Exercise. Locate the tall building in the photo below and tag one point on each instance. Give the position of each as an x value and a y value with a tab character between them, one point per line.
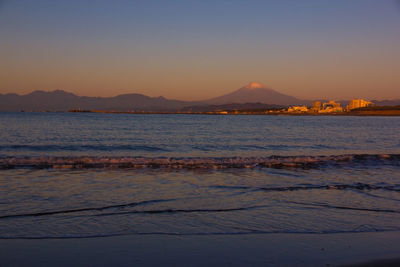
358	103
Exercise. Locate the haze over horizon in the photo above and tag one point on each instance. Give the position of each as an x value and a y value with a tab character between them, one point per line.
190	50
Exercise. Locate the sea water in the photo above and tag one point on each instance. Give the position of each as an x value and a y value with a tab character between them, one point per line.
66	175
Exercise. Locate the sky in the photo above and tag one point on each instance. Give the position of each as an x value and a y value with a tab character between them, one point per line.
194	50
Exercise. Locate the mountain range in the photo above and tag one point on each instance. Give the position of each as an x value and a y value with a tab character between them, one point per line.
253	94
59	100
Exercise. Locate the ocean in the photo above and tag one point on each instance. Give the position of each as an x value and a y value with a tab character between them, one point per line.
79	175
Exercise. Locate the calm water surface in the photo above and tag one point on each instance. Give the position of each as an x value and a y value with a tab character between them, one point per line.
84	175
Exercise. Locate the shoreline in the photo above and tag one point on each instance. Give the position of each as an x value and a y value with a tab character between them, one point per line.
275	113
378	113
350	249
384	113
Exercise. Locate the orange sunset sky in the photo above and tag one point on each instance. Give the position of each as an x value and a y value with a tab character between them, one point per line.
193	50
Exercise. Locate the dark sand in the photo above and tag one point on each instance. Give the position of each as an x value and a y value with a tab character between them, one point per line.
367	249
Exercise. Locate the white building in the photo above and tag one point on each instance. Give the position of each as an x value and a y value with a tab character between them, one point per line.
358	103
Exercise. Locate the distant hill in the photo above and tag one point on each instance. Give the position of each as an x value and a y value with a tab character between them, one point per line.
63	101
394	102
256	92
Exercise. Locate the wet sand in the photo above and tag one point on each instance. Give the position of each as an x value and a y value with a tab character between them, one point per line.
359	249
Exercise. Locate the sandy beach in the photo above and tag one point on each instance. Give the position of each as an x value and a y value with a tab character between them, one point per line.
361	249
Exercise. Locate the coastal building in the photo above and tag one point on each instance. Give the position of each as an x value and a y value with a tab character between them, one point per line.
358	103
317	106
331	106
298	109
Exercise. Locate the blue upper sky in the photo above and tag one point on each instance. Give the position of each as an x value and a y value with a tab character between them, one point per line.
199	49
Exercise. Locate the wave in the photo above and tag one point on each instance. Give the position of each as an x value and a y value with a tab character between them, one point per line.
45	213
147	148
182	211
358	229
381	197
342	207
130	212
81	148
280	162
357	186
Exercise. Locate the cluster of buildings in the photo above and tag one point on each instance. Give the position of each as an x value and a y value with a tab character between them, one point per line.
330	107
